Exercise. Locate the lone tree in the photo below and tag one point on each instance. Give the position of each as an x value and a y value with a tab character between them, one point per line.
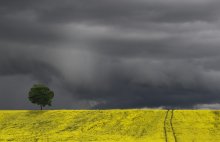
41	95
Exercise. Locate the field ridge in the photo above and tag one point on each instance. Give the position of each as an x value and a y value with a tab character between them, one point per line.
171	124
165	128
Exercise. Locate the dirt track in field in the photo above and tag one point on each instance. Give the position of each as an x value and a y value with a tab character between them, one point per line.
169	124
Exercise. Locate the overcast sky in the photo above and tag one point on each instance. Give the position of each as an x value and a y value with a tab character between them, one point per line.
102	54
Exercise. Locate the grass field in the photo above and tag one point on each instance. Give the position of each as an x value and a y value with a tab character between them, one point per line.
110	126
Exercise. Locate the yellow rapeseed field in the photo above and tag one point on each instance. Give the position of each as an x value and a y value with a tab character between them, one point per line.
110	126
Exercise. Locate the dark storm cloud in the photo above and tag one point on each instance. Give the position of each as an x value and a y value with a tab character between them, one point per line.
39	70
111	54
16	30
20	63
115	12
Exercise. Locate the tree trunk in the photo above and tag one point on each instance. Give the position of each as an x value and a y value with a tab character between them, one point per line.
40	107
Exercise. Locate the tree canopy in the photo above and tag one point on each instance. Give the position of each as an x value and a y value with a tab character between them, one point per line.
41	95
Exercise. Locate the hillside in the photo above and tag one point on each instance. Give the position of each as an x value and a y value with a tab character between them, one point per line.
110	126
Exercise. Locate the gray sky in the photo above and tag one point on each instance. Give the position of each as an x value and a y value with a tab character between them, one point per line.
111	53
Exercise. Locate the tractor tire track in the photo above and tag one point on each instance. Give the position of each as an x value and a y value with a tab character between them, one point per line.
172	128
164	125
